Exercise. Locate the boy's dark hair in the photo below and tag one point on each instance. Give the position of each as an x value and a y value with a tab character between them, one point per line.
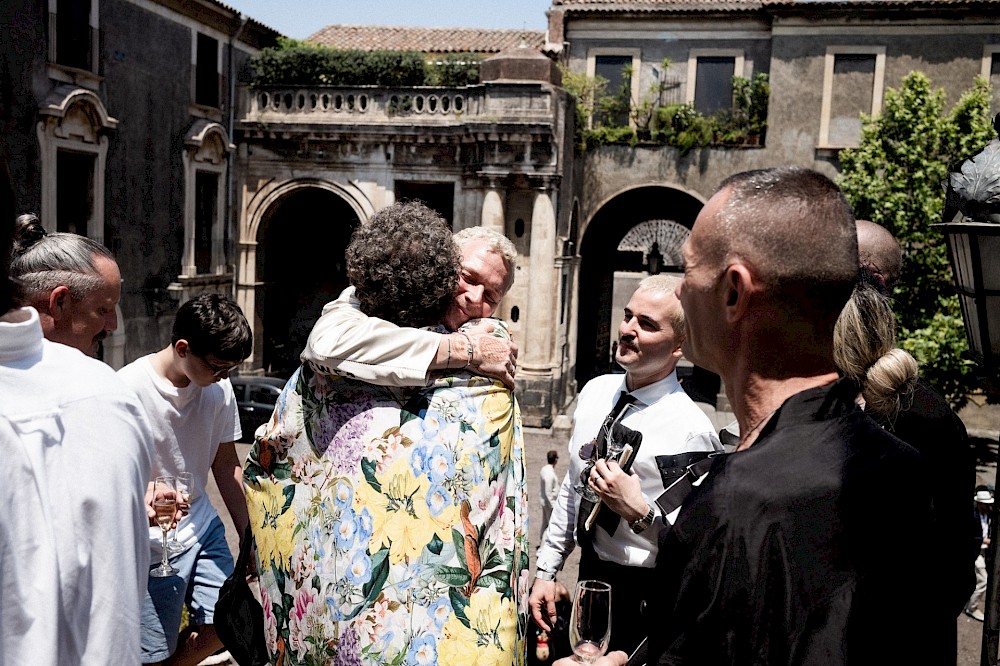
552	456
213	325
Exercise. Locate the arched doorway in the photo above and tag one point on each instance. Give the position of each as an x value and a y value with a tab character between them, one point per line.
620	238
300	267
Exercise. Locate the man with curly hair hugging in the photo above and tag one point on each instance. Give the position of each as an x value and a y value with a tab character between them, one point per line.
390	522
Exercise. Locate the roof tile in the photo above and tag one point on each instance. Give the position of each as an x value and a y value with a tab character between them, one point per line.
427	40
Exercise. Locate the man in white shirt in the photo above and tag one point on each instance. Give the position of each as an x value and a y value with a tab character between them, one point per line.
649	340
549	488
73	553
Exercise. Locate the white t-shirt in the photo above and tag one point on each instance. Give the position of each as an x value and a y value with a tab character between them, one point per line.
188	425
76	456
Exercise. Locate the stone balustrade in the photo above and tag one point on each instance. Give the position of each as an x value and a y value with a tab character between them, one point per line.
491	102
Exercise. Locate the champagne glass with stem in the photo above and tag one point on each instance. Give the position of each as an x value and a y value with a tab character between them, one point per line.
185	487
616	441
165	506
590	620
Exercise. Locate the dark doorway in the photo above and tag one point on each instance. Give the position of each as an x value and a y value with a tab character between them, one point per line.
600	258
74	191
300	262
439	197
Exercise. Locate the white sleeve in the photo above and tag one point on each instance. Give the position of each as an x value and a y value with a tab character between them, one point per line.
347	342
558	540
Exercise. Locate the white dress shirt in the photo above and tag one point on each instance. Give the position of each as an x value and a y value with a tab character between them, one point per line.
670	423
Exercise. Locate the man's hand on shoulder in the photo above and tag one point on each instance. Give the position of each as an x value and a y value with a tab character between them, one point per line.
492	356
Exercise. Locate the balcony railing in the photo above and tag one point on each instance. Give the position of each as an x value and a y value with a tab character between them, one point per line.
505	102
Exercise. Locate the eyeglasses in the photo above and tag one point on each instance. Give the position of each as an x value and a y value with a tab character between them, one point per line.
217	370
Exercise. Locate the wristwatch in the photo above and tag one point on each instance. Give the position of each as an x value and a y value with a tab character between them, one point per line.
542	574
643	523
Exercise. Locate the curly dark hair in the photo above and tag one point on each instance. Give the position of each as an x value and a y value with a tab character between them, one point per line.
404	265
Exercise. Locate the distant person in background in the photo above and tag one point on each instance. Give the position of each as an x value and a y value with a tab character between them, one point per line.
984	504
72	281
549	489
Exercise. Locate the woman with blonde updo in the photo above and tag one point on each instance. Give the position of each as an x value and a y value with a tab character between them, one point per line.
893	394
865	351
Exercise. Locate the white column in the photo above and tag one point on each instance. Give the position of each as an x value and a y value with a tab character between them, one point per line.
188	266
493	214
540	321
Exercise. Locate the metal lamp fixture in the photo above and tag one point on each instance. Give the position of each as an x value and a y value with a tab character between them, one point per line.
971	224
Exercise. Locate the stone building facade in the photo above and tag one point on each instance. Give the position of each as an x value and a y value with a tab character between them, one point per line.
828	62
116	120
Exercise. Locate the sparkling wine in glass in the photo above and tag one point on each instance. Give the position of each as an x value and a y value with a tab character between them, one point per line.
616	443
590	621
165	506
184	483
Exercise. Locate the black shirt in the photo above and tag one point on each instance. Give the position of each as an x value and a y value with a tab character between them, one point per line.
804	549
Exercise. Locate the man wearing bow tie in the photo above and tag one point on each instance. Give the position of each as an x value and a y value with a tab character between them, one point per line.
620	545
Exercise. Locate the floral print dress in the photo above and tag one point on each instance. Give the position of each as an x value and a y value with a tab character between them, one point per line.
391	528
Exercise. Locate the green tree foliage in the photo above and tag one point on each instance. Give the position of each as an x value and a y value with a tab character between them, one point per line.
895	177
454	69
296	63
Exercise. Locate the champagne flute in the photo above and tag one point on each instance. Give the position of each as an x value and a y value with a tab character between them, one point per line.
185	487
615	439
165	506
590	621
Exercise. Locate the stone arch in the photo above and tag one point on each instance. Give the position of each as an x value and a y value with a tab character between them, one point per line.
291	263
652	208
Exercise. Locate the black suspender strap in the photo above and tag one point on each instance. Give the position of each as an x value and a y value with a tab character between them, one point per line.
673	497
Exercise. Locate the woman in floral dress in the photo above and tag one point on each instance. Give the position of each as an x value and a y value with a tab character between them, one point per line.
391	524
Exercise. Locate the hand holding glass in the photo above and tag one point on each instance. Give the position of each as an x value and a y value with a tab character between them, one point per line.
615	439
185	487
590	621
165	505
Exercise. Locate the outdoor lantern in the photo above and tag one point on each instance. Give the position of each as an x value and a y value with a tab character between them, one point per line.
972	230
971	226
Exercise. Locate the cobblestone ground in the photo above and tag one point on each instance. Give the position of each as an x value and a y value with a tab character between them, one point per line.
983	423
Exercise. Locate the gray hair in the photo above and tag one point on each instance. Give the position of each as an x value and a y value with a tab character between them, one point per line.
496	242
42	261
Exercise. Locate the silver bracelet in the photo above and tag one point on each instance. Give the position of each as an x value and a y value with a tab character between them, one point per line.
468	341
542	574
